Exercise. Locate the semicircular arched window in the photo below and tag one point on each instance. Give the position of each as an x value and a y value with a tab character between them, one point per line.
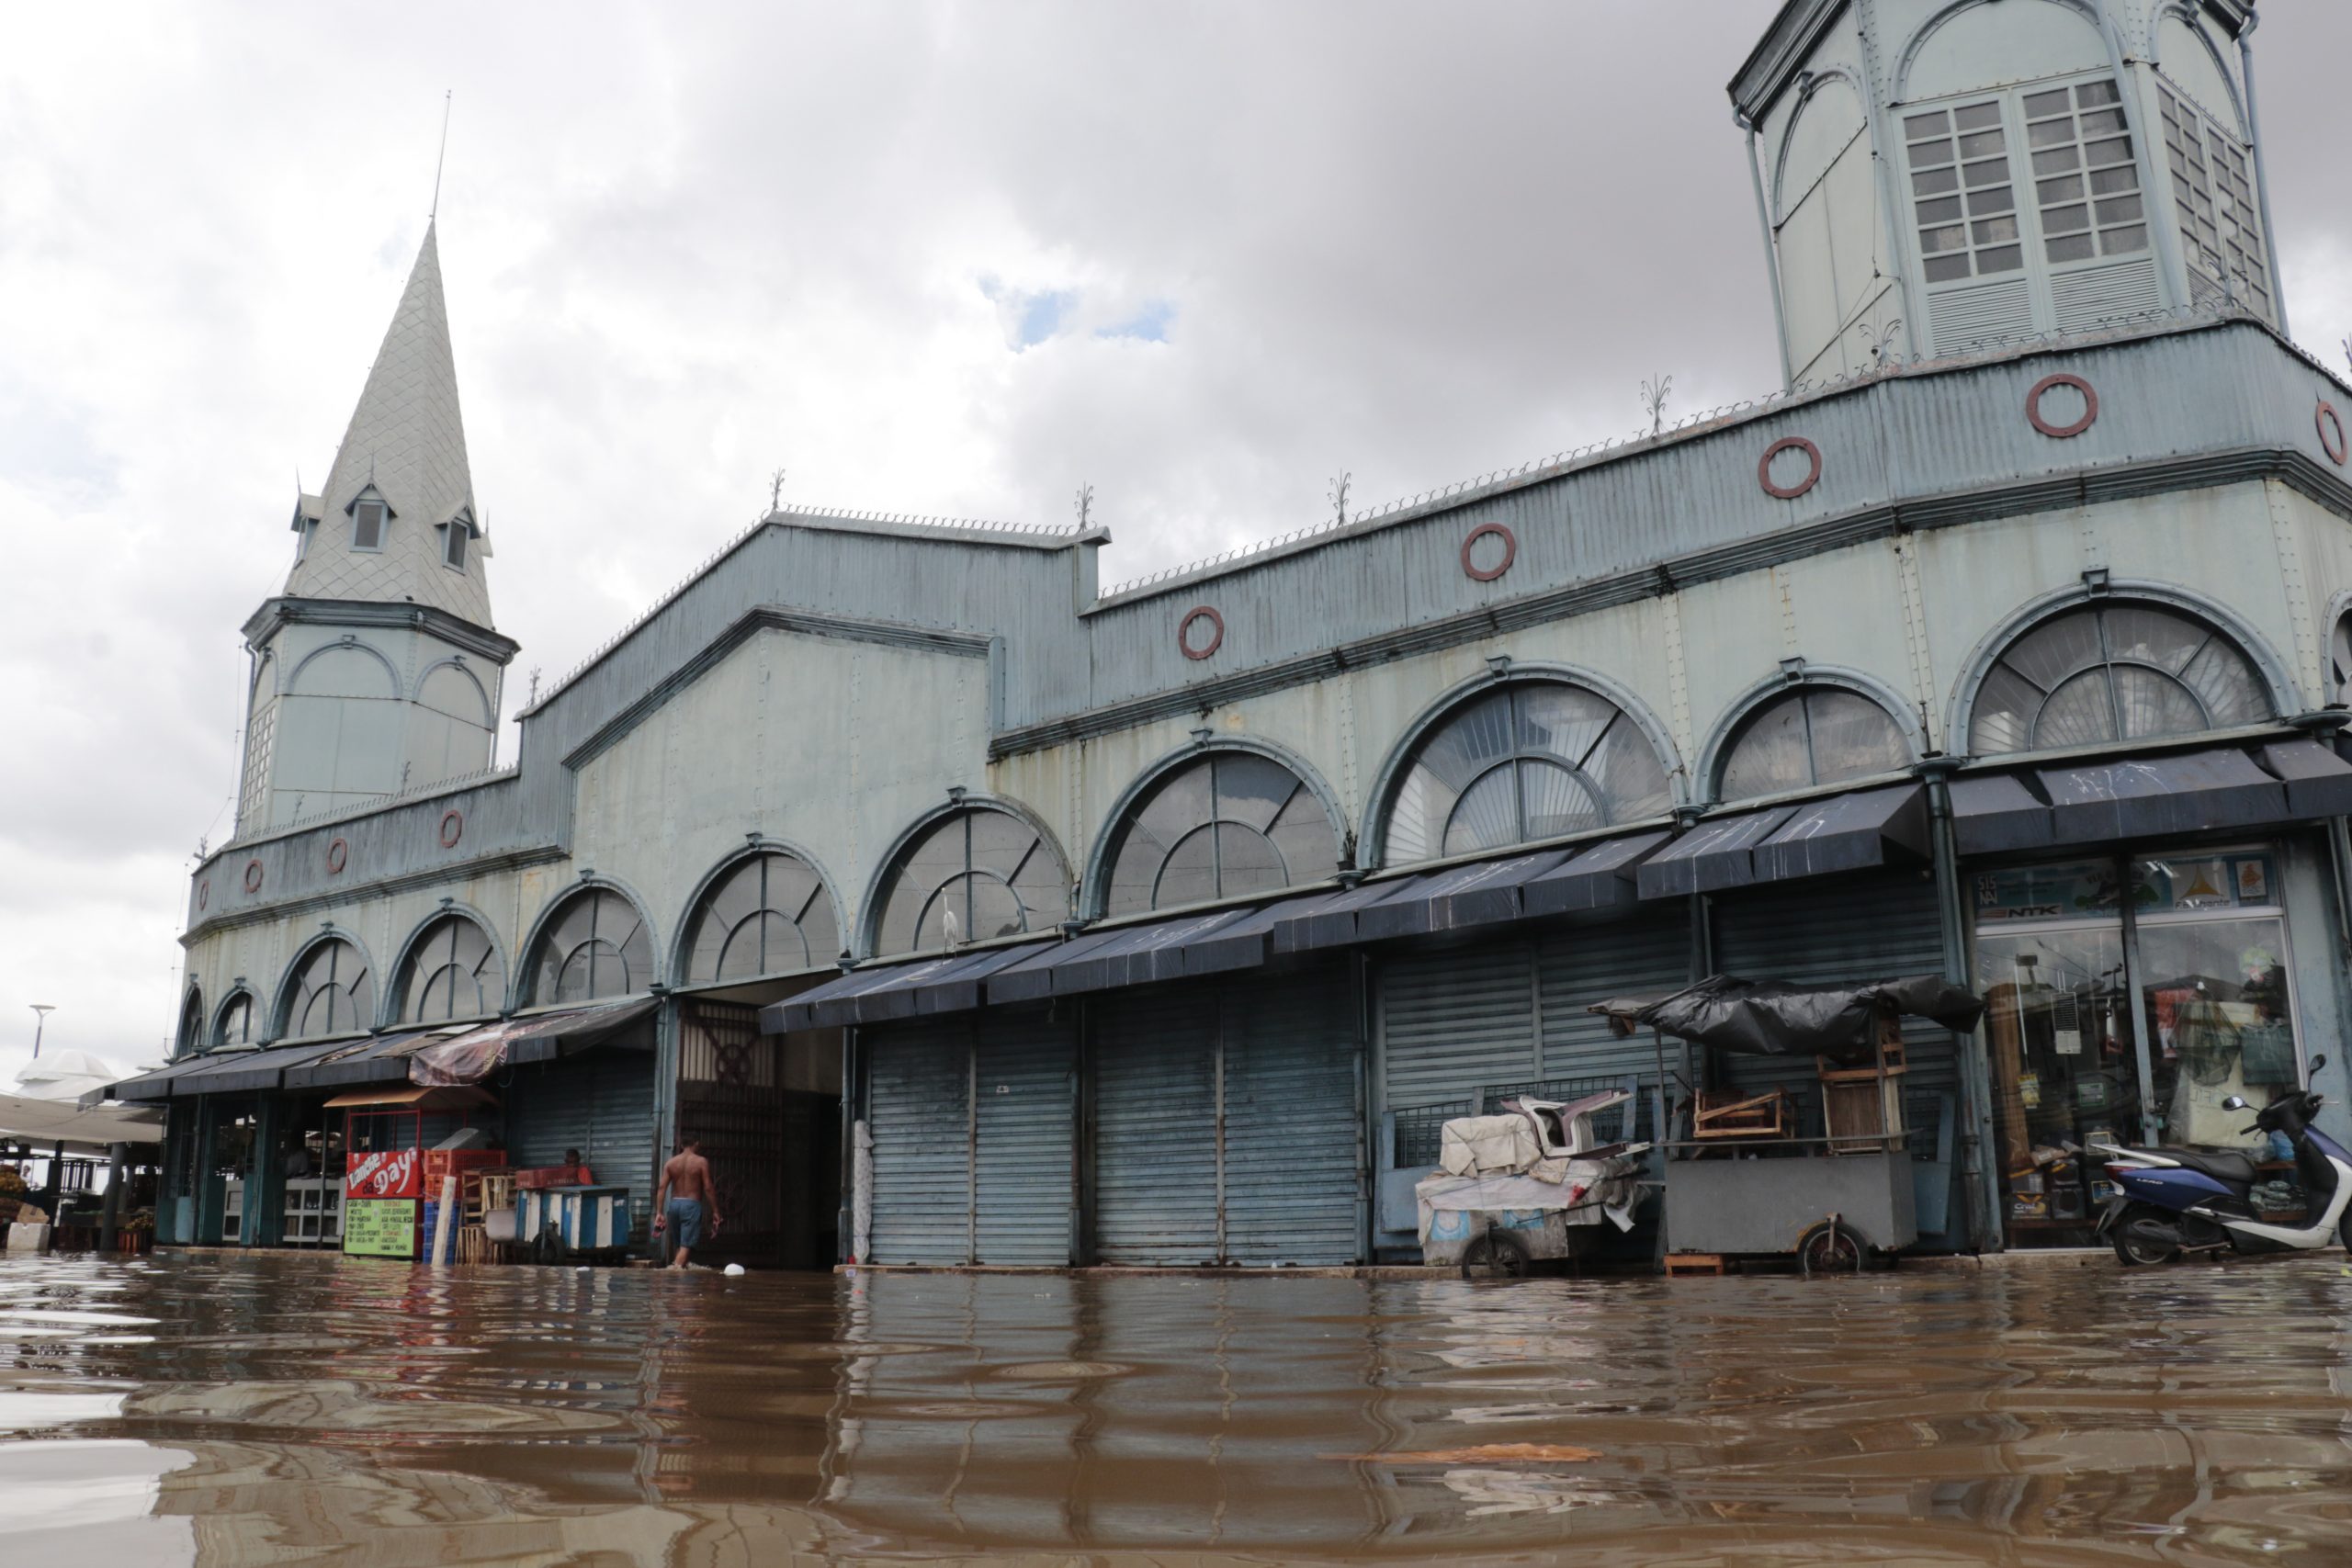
976	873
1230	824
333	993
596	946
235	1024
2112	672
452	970
1536	760
191	1031
768	914
1814	735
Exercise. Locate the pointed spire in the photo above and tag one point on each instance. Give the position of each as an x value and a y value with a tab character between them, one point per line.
407	441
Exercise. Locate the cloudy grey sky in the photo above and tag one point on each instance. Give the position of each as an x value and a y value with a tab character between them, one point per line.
932	258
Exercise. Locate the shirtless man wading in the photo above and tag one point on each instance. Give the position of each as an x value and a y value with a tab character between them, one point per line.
680	1203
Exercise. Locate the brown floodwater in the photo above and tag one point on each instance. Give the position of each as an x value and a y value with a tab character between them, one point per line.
219	1408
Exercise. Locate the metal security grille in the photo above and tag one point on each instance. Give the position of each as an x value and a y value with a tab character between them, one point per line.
727	1098
1453	1020
1024	1117
1156	1131
918	1082
600	1104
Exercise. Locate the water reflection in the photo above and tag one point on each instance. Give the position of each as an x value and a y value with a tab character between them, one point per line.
217	1409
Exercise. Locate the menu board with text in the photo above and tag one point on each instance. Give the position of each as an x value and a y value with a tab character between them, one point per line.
379	1227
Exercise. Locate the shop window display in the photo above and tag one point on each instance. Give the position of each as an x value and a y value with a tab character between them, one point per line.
2125	1002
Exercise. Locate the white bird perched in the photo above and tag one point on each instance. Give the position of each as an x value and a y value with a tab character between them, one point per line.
951	927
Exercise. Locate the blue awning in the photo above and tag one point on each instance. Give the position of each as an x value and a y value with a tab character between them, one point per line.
1328	922
1123	955
1599	877
1997	814
885	991
2318	781
1459	897
1713	855
1861	832
383	1059
2161	797
228	1072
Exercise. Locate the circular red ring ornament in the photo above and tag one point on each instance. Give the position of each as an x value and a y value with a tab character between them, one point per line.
1184	632
453	827
1488	531
2327	419
1788	443
338	856
203	893
252	876
2062	431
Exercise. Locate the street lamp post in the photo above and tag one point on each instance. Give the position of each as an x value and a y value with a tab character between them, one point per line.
40	1021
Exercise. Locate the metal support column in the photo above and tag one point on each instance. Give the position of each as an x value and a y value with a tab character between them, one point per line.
111	1214
1980	1177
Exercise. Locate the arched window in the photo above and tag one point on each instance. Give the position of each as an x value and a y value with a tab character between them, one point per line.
2112	672
768	914
974	873
595	946
235	1024
1229	824
332	993
1814	734
1536	760
2339	660
452	970
191	1035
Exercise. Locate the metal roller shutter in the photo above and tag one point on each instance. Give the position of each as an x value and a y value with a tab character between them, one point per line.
1851	928
1579	965
917	1108
1453	1020
1156	1131
600	1103
1292	1146
1024	1076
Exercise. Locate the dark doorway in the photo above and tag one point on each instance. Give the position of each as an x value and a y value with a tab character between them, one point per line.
767	1109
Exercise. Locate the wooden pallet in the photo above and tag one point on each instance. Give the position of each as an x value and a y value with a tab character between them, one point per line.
1694	1264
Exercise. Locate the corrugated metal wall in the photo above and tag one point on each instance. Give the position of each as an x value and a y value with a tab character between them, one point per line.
919	1108
1293	1139
1457	1018
1649	952
1156	1129
600	1104
1025	1121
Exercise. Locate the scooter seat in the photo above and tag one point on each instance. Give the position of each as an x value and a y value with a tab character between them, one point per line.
2235	1170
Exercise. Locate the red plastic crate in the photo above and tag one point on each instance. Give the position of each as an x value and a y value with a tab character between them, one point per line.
441	1164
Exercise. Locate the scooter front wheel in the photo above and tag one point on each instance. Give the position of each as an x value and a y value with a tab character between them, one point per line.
2144	1237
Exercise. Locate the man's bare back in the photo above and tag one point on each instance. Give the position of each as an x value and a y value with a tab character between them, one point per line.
687	1176
685	1200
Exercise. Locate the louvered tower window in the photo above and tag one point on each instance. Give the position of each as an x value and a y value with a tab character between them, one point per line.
2221	226
1962	195
2085	185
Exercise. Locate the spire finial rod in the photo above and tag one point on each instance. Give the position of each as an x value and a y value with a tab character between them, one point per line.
446	94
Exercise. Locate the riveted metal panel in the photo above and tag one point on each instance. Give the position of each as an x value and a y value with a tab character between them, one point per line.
1454	1018
1024	1117
1156	1129
1292	1127
918	1088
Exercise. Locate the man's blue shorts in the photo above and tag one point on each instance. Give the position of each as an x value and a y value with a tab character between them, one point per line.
685	1218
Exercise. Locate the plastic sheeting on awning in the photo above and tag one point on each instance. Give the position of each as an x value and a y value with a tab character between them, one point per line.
475	1054
383	1059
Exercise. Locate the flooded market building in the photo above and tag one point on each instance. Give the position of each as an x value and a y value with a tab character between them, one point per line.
972	911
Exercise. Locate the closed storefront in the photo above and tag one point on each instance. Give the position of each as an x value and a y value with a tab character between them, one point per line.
600	1103
973	1127
1226	1125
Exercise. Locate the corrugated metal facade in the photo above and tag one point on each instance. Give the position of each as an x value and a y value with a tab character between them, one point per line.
1156	1129
1292	1122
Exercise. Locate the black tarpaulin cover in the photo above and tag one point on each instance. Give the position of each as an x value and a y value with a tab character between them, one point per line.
1774	1018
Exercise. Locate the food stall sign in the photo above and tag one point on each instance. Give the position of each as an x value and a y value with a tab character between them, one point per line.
385	1173
379	1227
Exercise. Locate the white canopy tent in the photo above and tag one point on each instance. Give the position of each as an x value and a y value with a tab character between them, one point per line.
45	1124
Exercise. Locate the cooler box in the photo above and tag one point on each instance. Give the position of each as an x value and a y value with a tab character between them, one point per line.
586	1219
540	1177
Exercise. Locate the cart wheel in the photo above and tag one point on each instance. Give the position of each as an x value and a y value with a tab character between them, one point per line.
1496	1255
1832	1247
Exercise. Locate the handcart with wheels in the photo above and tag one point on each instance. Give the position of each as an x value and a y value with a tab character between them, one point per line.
1531	1185
1755	1177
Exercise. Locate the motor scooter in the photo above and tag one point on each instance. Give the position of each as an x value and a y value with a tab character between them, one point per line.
2171	1202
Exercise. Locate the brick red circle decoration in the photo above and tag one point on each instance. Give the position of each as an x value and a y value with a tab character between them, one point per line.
453	827
203	893
1198	615
338	856
1490	531
252	876
2328	420
2062	431
1788	443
